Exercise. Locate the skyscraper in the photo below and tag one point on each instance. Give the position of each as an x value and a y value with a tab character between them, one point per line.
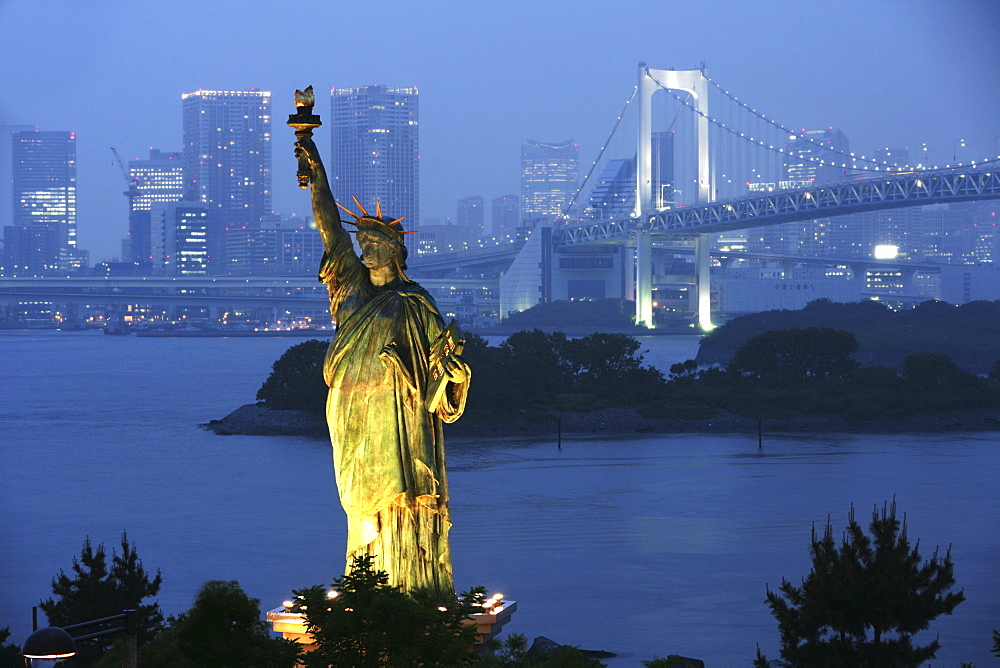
811	149
227	160
42	236
818	237
7	133
549	178
505	215
179	238
613	196
156	180
375	149
470	214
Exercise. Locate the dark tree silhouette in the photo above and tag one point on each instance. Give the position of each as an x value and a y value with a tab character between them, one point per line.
865	599
296	380
371	624
223	629
790	355
95	591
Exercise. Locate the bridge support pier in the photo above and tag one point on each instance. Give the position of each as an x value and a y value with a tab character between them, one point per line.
703	287
644	279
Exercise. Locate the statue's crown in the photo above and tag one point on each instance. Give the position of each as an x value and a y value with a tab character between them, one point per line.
366	221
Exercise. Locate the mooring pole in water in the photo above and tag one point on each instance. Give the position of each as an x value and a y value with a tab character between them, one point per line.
559	433
760	433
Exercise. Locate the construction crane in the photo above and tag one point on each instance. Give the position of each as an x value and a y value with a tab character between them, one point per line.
133	188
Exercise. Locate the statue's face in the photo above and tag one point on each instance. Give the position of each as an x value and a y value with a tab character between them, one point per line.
377	252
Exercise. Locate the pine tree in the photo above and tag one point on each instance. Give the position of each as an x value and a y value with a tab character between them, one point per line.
370	624
95	591
865	599
223	629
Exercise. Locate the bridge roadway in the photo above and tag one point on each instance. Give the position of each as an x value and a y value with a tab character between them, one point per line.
857	265
889	191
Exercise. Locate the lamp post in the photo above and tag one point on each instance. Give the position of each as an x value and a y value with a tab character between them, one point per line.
53	642
954	149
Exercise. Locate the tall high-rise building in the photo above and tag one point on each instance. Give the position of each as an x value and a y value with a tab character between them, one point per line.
7	133
158	179
811	149
505	215
180	238
375	149
470	214
613	196
227	160
41	238
897	157
550	175
819	237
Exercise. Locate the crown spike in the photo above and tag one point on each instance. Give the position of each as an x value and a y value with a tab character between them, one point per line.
378	209
360	205
356	216
396	222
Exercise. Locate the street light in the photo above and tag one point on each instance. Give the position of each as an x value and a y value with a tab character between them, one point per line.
954	148
53	642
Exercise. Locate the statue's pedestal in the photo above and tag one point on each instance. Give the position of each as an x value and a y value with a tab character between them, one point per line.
292	625
489	624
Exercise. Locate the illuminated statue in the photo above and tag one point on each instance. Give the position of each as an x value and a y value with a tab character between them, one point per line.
395	377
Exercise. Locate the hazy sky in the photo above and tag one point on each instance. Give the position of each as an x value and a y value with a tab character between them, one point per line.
490	74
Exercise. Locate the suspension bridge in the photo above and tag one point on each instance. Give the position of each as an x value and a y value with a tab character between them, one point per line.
724	166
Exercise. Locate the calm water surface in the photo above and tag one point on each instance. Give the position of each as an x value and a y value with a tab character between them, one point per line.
641	546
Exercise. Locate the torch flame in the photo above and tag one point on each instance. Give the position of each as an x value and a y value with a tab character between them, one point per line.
305	98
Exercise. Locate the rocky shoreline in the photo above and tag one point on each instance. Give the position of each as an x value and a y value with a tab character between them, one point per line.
256	420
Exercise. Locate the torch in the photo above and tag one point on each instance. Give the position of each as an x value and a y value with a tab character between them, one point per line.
304	122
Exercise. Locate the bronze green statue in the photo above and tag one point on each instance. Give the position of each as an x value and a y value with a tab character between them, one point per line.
395	376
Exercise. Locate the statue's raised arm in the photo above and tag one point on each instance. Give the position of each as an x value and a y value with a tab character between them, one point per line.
325	209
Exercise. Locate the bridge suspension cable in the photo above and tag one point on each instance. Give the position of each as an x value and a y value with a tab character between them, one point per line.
600	154
879	166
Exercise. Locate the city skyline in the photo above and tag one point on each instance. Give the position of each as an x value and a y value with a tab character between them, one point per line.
483	99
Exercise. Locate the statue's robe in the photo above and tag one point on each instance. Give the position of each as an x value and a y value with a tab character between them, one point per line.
388	448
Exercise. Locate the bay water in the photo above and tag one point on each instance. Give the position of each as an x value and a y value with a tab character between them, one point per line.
639	545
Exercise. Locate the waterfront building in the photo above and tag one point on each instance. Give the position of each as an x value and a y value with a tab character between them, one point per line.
158	179
436	238
227	160
41	238
7	133
375	150
471	216
816	156
300	249
180	238
804	165
549	179
505	215
613	196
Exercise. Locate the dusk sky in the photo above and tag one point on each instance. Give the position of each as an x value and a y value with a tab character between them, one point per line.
491	75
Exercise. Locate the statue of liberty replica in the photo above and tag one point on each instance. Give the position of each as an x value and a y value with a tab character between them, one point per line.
395	376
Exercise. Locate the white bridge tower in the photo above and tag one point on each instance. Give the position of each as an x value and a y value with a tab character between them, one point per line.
694	82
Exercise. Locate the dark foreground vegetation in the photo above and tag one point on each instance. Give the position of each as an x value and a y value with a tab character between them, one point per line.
860	605
966	333
778	374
